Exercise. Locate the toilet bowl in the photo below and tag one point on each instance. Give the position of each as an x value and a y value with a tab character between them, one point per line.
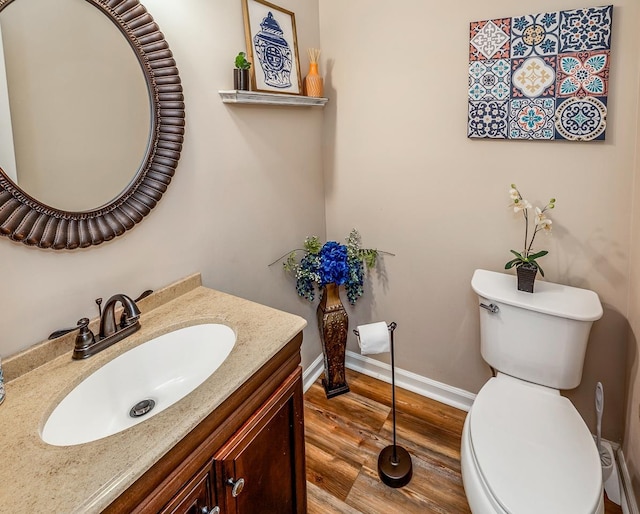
525	448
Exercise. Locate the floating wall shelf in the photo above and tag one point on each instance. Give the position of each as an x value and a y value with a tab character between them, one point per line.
256	98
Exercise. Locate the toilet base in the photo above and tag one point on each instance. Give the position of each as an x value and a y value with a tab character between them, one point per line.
395	473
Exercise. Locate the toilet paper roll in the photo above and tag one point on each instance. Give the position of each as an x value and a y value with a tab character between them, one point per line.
374	338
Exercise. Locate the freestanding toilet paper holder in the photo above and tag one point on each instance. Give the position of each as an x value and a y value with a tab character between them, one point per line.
395	468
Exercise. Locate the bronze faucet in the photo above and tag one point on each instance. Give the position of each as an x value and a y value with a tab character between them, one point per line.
87	344
130	315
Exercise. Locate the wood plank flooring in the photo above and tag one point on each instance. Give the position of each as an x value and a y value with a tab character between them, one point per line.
344	436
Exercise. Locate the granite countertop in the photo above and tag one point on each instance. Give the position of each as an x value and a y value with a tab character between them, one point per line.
37	477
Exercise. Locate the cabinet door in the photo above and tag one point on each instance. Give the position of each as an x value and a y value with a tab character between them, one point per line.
195	497
261	468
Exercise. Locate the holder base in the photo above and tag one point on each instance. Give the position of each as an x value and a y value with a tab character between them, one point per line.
396	474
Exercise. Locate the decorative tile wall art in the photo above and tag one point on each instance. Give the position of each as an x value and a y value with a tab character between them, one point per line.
540	76
272	47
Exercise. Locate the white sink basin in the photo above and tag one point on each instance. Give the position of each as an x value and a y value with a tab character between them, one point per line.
161	371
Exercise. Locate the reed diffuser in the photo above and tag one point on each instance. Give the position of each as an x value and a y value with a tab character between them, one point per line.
313	83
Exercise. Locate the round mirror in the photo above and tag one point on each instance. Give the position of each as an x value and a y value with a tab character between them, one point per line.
78	101
92	119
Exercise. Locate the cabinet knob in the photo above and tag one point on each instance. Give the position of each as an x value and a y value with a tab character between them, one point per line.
206	510
237	486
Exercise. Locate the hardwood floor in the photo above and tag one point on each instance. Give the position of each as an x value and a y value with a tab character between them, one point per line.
344	436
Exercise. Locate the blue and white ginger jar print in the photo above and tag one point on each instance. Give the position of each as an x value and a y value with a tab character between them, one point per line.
274	53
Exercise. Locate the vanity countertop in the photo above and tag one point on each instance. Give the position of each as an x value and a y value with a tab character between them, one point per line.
37	477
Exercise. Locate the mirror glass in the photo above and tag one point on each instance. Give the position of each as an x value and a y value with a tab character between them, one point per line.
68	149
75	106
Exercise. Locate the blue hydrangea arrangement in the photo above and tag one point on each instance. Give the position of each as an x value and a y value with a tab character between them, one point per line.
331	263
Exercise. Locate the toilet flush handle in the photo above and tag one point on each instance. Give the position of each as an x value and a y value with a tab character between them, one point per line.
492	307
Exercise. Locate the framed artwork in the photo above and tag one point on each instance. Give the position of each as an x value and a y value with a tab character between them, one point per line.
272	47
542	76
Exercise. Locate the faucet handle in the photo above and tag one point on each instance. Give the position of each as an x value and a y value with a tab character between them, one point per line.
143	295
85	336
130	313
126	321
84	340
83	324
60	333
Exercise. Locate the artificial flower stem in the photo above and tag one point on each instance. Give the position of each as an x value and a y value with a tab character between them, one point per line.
532	239
285	255
526	233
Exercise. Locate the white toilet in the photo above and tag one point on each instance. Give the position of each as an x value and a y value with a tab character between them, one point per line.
525	449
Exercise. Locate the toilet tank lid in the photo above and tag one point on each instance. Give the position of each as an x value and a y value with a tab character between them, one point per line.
548	298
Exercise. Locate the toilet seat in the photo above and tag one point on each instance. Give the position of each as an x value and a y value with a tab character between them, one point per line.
532	450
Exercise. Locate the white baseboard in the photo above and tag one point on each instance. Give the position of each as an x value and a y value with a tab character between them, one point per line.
418	384
453	396
629	503
313	371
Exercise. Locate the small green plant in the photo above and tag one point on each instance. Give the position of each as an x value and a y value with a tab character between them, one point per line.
241	61
528	257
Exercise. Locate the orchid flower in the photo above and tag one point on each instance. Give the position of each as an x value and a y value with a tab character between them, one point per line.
541	222
520	205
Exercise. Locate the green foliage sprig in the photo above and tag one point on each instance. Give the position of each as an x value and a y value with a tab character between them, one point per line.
241	62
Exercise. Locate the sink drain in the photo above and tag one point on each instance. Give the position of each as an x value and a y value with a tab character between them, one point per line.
141	408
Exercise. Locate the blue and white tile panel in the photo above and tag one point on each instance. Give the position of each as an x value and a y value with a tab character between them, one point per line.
540	76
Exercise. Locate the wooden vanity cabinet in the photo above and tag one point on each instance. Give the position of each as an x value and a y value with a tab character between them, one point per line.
195	497
259	470
246	457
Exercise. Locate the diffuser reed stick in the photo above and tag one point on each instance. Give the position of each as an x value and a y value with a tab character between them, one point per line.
314	54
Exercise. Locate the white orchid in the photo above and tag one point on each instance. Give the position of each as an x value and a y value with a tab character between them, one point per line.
541	222
520	204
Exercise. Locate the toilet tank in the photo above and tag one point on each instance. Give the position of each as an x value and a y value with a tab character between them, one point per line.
539	337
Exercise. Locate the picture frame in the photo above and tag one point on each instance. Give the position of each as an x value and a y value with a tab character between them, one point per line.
272	47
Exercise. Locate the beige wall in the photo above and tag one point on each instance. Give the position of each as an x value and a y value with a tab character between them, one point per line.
248	187
398	166
631	445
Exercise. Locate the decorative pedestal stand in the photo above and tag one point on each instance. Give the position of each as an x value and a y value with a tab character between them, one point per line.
333	323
